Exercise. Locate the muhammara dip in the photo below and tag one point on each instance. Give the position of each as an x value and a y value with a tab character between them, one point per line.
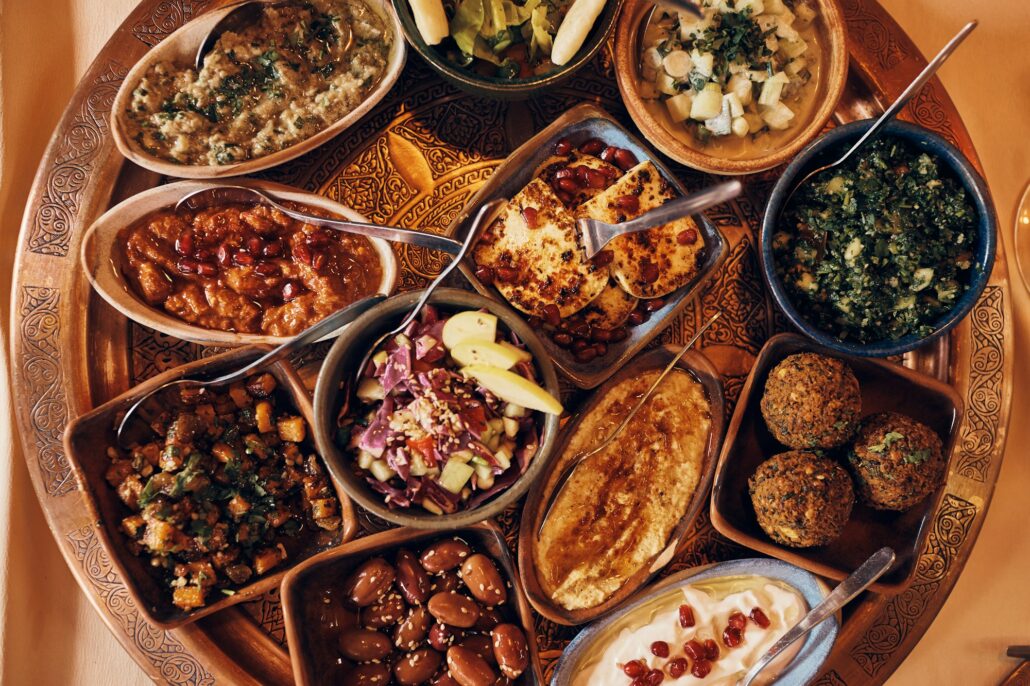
621	506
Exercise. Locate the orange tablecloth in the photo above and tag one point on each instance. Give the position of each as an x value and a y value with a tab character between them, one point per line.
48	631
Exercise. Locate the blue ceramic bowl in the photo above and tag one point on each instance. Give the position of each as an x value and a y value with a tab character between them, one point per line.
803	668
832	145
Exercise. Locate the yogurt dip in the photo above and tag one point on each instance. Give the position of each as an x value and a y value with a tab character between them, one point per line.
655	637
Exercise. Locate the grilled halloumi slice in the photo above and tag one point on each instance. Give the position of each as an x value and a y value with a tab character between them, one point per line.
611	308
574	159
548	258
651	263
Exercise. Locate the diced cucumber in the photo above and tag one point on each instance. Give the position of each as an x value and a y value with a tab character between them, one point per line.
365	459
461	455
455	475
677	64
679	107
513	410
511	427
770	95
503	456
736	106
402	340
370	390
707	104
381	471
484	476
494	442
418	465
380	358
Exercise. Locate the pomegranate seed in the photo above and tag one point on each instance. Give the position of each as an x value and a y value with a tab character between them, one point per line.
562	147
648	271
634	669
732	637
677	667
592	146
266	268
569	185
636	318
686	616
701	668
184	243
624	159
603	258
585	355
694	649
759	618
596	179
737	620
687	237
563	340
223	255
273	249
187	265
254	245
551	314
243	258
655	677
619	334
711	650
291	289
485	275
630	203
563	173
207	269
608	153
318	261
506	274
654	304
660	649
530	215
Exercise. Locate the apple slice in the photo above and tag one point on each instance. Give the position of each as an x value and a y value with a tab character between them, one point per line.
469	353
470	325
523	354
512	388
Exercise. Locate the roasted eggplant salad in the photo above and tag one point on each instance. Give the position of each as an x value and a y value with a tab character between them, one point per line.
226	492
447	413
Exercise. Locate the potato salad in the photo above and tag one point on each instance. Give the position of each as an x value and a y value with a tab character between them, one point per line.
740	70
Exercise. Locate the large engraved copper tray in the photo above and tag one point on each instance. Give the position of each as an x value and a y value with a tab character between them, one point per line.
414	161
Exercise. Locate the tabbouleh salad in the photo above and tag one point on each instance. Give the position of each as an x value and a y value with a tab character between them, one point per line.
880	247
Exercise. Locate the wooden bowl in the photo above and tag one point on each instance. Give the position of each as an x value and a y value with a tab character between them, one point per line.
85	443
702	369
833	76
302	586
99	247
885	387
181	47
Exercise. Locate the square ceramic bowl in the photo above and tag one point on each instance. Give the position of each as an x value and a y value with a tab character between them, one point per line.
86	441
885	387
305	589
701	369
577	125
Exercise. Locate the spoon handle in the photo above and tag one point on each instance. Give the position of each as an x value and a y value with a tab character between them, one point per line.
868	572
394	234
912	89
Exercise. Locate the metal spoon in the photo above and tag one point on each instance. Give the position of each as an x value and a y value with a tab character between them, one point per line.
220	195
583	456
895	107
310	335
486	213
859	580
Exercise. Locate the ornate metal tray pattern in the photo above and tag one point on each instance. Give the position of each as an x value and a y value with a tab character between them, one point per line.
414	161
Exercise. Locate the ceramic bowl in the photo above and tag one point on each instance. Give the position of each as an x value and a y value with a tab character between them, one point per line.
180	47
504	89
85	443
340	367
701	369
578	125
833	76
100	244
885	387
313	659
803	667
831	146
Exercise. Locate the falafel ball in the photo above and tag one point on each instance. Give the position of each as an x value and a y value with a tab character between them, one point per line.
801	498
896	461
811	401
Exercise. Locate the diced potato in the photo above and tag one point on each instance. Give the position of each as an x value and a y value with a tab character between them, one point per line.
740	127
651	58
159	536
133	526
188	597
740	85
772	43
470	325
323	508
774	6
756	6
770	95
381	470
239	396
666	84
677	64
755	123
223	452
707	104
370	390
766	23
736	106
263	417
206	412
238	506
805	15
795	67
267	559
691	25
679	106
784	24
793	48
488	353
704	63
455	475
292	429
778	117
758	76
721	124
262	385
511	387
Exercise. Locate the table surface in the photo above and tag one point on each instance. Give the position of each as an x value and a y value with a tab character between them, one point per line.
49	634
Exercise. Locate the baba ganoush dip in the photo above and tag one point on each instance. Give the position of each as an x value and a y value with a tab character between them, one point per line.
620	507
709	632
277	82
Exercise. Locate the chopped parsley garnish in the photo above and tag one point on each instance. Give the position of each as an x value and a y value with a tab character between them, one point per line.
889	438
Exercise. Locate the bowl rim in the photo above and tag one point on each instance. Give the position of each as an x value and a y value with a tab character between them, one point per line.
625	50
814	651
960	166
602	28
126	146
116	549
379	319
113	288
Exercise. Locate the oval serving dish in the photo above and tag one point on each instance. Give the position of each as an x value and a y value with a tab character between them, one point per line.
829	147
698	366
803	667
98	247
833	76
338	369
181	47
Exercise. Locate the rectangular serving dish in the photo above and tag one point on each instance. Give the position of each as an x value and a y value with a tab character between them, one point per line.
701	368
86	441
885	386
333	566
577	125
